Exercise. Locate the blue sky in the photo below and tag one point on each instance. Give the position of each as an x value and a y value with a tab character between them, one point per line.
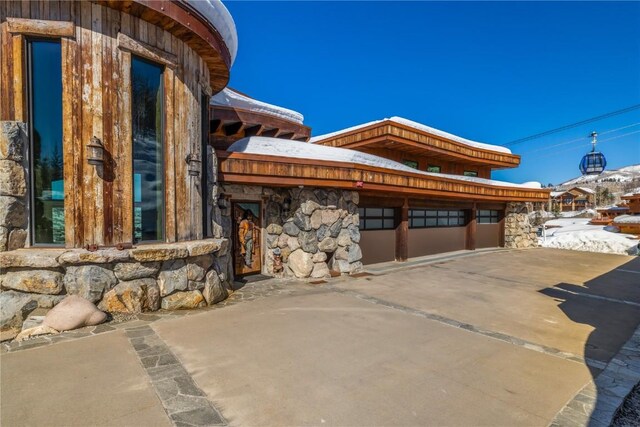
488	71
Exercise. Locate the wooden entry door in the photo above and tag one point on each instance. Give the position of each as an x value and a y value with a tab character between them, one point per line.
247	224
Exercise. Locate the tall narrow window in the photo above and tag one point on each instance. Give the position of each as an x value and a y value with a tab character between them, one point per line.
45	112
147	126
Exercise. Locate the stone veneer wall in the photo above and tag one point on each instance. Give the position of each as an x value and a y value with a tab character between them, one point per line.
13	186
170	276
318	234
518	232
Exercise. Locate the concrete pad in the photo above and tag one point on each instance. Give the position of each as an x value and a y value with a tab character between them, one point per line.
327	358
507	292
95	381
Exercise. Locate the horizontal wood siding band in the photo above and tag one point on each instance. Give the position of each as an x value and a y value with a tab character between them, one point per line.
41	27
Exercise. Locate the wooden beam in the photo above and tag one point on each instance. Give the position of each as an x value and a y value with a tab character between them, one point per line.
40	27
214	125
253	130
232	128
147	51
472	229
287	135
402	233
271	132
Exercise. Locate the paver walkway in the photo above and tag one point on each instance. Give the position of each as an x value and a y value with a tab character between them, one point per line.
499	338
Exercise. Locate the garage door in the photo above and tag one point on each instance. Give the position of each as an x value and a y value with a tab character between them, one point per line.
433	231
377	234
488	229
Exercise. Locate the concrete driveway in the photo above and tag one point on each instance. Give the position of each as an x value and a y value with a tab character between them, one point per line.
501	338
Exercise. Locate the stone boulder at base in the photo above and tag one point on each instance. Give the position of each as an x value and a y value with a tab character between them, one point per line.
15	307
183	300
72	313
214	290
128	297
173	277
36	281
300	263
89	281
136	270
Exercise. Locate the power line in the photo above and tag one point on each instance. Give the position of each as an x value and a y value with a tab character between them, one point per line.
574	148
581	139
573	125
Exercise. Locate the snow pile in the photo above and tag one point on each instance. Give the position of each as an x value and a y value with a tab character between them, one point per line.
579	235
627	219
230	98
418	126
218	15
302	150
573	214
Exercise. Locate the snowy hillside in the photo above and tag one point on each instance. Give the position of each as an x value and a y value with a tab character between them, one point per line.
625	174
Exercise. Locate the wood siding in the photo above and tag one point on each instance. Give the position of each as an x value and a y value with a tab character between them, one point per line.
255	169
97	102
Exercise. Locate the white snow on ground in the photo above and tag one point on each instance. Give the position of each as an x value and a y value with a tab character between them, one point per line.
418	126
230	98
579	235
572	214
218	15
302	150
627	219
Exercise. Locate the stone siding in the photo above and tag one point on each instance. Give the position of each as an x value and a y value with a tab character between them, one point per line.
518	232
317	235
145	278
13	186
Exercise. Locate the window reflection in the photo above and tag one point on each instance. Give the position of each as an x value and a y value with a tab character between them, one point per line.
148	183
47	183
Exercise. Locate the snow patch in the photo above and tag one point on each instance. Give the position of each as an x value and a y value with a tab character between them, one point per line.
579	235
302	150
218	15
230	98
418	126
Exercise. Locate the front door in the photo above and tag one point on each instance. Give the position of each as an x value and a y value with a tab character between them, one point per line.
246	237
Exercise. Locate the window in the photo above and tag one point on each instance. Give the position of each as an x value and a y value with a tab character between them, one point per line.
426	218
433	168
567	200
147	124
470	173
377	218
410	163
45	110
487	216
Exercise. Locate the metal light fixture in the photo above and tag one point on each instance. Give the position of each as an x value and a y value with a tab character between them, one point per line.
95	151
194	162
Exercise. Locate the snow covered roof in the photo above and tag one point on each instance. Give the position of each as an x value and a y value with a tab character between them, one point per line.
218	15
586	190
557	193
230	98
627	219
420	127
302	150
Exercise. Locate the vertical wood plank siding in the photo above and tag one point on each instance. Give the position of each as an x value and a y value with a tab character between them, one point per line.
96	101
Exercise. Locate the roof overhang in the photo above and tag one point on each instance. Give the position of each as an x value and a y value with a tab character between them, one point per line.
278	171
229	124
396	136
186	23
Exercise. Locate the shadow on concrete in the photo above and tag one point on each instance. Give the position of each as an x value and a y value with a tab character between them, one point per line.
610	303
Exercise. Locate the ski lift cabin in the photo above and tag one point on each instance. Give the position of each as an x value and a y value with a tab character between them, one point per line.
593	163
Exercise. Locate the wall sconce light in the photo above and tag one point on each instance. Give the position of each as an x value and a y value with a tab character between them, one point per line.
194	164
95	150
359	184
222	202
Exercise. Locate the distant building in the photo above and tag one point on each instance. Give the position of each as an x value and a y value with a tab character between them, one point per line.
573	199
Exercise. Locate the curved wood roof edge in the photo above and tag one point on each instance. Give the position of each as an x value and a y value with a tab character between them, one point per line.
267	177
501	158
185	23
253	118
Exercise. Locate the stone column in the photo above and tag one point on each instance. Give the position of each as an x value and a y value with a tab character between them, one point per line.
518	232
13	186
